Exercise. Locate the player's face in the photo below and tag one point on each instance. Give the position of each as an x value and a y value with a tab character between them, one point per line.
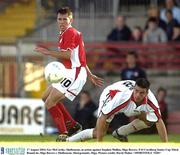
63	21
139	94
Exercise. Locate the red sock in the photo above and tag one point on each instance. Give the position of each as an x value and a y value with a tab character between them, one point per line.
58	118
70	122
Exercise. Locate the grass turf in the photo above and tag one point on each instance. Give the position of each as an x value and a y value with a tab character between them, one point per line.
108	138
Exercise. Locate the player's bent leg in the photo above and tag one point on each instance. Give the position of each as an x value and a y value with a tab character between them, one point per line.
134	126
75	129
122	138
55	113
72	126
142	117
86	134
58	119
81	136
46	93
54	97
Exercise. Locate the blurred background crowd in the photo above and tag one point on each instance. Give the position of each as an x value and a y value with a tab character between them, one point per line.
124	39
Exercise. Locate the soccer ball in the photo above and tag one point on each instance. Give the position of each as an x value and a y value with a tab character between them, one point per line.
54	72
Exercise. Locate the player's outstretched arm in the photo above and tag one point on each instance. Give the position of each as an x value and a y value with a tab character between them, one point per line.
101	127
64	54
97	81
162	130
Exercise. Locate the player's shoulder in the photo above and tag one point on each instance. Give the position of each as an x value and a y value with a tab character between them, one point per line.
72	31
152	99
123	87
124	95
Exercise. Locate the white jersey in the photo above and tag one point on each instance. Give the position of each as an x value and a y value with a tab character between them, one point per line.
118	98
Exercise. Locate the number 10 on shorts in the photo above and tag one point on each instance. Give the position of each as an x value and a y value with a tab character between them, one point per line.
66	82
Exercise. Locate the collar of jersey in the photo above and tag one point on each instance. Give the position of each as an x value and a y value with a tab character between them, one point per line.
65	30
143	102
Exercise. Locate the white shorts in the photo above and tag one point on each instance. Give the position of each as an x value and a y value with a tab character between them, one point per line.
72	86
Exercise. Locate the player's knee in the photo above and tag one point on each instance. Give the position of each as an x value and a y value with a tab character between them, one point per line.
49	103
142	117
149	124
46	94
44	98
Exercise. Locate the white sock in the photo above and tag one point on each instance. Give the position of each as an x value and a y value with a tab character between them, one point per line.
134	126
81	136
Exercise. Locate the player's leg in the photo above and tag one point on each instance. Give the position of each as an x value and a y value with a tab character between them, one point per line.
50	103
59	112
89	133
82	136
142	117
71	124
53	98
70	94
66	91
46	93
86	134
134	126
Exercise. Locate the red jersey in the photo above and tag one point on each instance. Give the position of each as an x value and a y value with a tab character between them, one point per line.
72	39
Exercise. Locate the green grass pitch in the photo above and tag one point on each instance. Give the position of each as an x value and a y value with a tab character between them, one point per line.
108	138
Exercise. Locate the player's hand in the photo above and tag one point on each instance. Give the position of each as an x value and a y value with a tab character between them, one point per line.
42	50
97	81
142	116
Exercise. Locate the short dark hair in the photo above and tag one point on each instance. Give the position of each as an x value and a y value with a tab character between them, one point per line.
133	53
86	92
169	11
138	28
153	19
176	25
143	83
162	89
65	10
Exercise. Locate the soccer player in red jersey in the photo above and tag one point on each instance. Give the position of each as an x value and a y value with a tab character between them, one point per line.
72	55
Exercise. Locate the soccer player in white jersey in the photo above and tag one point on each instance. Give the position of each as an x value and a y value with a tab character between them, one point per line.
131	98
